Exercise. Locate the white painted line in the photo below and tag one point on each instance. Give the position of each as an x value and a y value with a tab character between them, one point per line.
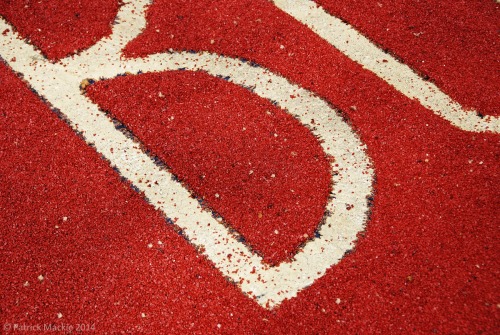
269	286
357	47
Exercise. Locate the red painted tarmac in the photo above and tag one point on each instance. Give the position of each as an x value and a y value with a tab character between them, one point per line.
74	235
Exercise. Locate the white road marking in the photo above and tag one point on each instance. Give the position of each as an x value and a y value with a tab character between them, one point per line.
269	286
357	47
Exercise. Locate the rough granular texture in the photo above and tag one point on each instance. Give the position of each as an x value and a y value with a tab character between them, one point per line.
59	28
438	39
251	162
79	246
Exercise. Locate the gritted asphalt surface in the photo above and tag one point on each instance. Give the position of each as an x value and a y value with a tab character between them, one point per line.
83	249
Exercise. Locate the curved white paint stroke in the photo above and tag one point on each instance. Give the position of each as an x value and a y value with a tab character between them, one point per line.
269	286
361	50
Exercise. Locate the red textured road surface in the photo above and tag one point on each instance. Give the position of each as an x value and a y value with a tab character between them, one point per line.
74	235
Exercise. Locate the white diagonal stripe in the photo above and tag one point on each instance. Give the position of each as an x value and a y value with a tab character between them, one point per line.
361	50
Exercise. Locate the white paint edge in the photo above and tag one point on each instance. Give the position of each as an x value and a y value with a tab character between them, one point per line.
361	50
269	286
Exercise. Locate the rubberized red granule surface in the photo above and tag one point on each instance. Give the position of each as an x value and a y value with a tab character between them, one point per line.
438	39
251	162
452	35
59	28
77	240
